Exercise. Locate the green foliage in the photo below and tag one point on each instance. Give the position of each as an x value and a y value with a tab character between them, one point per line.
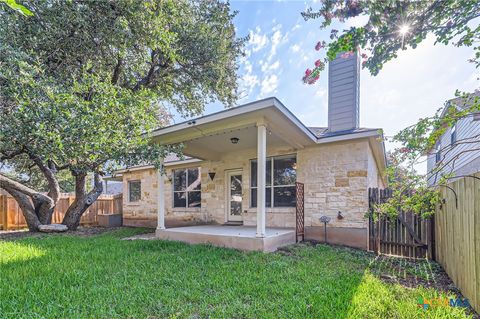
14	5
396	25
392	26
160	279
410	190
33	177
82	84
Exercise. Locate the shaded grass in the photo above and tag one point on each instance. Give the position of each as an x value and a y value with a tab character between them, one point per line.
61	276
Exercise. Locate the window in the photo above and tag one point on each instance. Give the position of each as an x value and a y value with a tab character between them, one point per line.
476	116
134	191
187	187
438	154
281	175
453	134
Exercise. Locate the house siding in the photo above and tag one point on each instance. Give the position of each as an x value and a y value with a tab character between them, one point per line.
343	93
336	178
465	128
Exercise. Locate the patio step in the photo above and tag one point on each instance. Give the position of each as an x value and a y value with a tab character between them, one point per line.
231	223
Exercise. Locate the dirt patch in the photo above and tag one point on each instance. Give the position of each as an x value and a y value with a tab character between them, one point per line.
409	273
80	232
412	273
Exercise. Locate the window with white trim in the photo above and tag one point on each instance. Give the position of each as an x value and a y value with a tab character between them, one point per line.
281	175
134	191
187	187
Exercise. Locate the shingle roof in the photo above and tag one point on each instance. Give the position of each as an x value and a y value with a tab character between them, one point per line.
322	132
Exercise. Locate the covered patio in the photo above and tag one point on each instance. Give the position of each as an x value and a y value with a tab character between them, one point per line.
238	237
252	132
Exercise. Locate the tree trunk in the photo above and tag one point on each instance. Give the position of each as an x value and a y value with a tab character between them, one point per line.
27	208
29	200
82	200
45	212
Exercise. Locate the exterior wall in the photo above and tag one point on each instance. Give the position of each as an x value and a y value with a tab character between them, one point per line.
465	128
144	212
375	178
343	93
336	178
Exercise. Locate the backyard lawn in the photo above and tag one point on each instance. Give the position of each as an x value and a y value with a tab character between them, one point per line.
102	276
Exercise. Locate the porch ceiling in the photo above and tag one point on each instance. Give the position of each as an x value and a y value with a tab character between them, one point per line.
209	136
212	146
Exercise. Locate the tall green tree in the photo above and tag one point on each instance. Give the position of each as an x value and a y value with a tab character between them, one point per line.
14	5
389	27
82	83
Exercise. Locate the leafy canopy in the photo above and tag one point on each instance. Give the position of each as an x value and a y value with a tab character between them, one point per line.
392	26
82	83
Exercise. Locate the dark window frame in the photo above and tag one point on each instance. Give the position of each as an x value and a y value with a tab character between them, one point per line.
438	154
139	182
453	134
186	191
270	185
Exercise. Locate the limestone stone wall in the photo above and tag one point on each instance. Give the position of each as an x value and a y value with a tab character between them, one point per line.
375	178
144	212
336	177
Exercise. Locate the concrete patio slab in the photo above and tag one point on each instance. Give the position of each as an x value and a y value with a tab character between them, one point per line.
238	237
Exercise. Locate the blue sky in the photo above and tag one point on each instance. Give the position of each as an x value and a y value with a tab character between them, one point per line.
281	47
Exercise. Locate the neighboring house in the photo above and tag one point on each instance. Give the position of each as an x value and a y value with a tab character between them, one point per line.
457	151
234	151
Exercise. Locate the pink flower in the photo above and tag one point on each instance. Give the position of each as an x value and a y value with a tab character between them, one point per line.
319	45
364	63
308	72
318	63
346	55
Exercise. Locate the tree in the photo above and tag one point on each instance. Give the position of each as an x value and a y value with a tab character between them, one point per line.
14	5
83	83
398	25
392	26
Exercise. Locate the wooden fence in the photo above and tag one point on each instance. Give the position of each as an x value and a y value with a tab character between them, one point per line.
457	235
11	216
406	235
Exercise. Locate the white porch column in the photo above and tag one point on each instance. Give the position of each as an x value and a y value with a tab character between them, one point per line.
160	199
261	169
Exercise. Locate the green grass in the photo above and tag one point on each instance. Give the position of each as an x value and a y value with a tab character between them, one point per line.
60	276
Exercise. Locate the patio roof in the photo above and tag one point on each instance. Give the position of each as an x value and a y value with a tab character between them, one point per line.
208	136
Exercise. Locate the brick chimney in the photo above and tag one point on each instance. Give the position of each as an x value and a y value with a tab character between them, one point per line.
343	92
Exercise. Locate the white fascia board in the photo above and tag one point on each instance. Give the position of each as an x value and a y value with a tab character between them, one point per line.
235	111
173	163
350	136
246	108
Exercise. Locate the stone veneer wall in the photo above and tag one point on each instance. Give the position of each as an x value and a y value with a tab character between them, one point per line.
336	177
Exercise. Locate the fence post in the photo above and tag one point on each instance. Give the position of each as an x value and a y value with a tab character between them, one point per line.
4	211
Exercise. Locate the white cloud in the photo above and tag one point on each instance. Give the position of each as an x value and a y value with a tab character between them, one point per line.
295	48
274	65
257	40
276	38
265	66
269	85
296	27
249	81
